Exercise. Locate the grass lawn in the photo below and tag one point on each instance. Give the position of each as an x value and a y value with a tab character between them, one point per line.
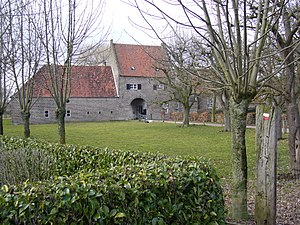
200	141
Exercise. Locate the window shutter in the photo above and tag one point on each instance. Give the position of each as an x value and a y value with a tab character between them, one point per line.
128	86
139	86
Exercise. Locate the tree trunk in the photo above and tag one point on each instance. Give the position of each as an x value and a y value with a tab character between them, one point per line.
293	117
186	116
294	137
278	102
1	124
292	114
224	100
26	121
227	123
279	123
266	153
214	109
238	112
60	113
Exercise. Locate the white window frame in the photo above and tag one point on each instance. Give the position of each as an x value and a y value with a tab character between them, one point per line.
133	86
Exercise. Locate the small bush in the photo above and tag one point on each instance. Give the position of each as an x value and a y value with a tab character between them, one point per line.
22	163
101	186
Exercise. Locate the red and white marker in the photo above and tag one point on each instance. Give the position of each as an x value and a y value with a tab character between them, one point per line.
266	116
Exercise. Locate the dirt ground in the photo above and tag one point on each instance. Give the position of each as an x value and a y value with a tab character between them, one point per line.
288	202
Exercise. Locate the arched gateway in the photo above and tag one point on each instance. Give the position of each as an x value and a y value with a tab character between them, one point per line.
139	108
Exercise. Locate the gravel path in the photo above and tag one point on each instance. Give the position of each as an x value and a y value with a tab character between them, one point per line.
288	203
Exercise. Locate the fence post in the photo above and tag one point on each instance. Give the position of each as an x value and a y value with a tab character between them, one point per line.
266	161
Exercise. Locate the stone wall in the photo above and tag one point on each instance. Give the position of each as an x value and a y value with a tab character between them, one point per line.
98	109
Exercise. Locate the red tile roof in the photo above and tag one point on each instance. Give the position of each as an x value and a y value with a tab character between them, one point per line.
139	60
86	81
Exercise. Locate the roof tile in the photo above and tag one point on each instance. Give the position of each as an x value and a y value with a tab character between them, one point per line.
86	81
139	60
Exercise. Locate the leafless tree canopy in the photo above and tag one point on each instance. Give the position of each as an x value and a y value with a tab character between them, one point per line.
6	86
64	28
51	33
236	32
179	66
25	55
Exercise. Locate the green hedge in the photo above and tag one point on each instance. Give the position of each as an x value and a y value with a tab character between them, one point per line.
100	186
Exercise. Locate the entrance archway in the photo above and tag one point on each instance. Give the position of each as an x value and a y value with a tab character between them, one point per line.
139	108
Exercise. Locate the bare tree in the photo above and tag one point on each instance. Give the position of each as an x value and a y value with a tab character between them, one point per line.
236	36
182	86
5	83
66	26
94	56
25	55
286	33
274	88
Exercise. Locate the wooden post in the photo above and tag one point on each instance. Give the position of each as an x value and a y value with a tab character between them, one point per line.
266	149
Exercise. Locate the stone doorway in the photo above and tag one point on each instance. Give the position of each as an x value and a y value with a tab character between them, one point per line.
139	108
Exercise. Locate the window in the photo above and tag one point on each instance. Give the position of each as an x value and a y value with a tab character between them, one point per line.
209	103
87	112
158	87
161	87
165	107
134	86
46	114
193	98
68	113
177	107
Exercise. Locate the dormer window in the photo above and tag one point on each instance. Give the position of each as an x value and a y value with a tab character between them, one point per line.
132	68
156	69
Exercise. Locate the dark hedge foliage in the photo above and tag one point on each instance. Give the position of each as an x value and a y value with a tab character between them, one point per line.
101	186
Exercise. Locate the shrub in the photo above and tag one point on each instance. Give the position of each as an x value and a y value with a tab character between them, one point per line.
102	186
18	163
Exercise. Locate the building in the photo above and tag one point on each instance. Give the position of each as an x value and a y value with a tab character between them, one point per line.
126	88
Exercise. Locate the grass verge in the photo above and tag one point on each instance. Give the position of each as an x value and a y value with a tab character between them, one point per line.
201	141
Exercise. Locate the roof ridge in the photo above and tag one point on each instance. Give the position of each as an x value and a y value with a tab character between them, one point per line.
138	45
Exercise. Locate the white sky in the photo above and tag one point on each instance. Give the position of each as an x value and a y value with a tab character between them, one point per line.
118	13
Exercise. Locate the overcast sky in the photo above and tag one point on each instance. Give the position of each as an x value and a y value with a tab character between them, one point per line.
122	30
